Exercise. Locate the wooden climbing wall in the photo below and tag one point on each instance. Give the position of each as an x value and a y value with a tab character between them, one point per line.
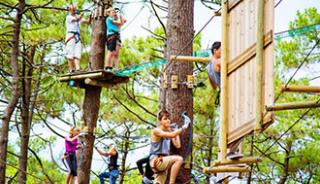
241	78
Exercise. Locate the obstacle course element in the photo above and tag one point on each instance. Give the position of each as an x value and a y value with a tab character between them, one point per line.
293	105
93	78
300	89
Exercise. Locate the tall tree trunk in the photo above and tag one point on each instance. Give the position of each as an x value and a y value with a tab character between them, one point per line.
91	102
25	114
15	92
179	34
125	150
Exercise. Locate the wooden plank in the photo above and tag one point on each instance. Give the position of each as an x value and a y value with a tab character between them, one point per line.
224	83
293	105
81	76
246	160
248	54
300	89
190	59
248	128
259	67
226	169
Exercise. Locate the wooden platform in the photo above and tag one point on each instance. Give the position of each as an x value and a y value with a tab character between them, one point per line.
99	78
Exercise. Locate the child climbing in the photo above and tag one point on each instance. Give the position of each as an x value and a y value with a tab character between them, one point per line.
113	166
73	41
160	160
147	173
71	144
213	68
113	24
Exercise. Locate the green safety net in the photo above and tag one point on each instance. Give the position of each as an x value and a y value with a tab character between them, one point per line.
206	53
135	68
298	31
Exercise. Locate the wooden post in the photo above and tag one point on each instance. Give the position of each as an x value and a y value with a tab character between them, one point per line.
190	59
81	76
226	169
300	89
247	160
224	87
259	65
293	105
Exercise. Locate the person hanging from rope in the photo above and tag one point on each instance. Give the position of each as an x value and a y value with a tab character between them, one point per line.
113	25
160	160
73	41
113	165
147	173
71	145
213	70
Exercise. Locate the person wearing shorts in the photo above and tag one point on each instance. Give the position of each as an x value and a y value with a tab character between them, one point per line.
161	160
73	41
113	24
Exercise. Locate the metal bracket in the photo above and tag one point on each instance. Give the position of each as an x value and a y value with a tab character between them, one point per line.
174	81
165	81
190	81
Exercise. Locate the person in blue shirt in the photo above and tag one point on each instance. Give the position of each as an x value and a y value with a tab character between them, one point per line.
113	24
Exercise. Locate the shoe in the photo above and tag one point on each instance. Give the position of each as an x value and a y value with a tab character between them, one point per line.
78	70
108	69
71	71
234	156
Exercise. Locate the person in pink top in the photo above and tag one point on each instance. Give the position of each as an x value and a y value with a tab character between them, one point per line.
71	145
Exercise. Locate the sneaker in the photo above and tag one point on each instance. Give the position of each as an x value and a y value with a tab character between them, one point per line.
71	71
108	69
234	156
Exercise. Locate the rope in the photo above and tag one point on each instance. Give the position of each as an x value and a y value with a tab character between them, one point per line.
296	122
134	18
278	3
297	31
191	41
299	67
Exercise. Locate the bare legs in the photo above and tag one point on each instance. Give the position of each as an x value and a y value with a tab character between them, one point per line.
71	64
70	178
74	64
116	56
175	169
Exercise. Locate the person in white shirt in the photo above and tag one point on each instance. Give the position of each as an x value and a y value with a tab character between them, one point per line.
73	42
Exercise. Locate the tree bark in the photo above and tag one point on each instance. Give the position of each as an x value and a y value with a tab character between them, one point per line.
15	92
25	114
91	102
179	35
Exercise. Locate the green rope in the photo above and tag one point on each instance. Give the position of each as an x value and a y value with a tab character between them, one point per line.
206	53
135	68
297	32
